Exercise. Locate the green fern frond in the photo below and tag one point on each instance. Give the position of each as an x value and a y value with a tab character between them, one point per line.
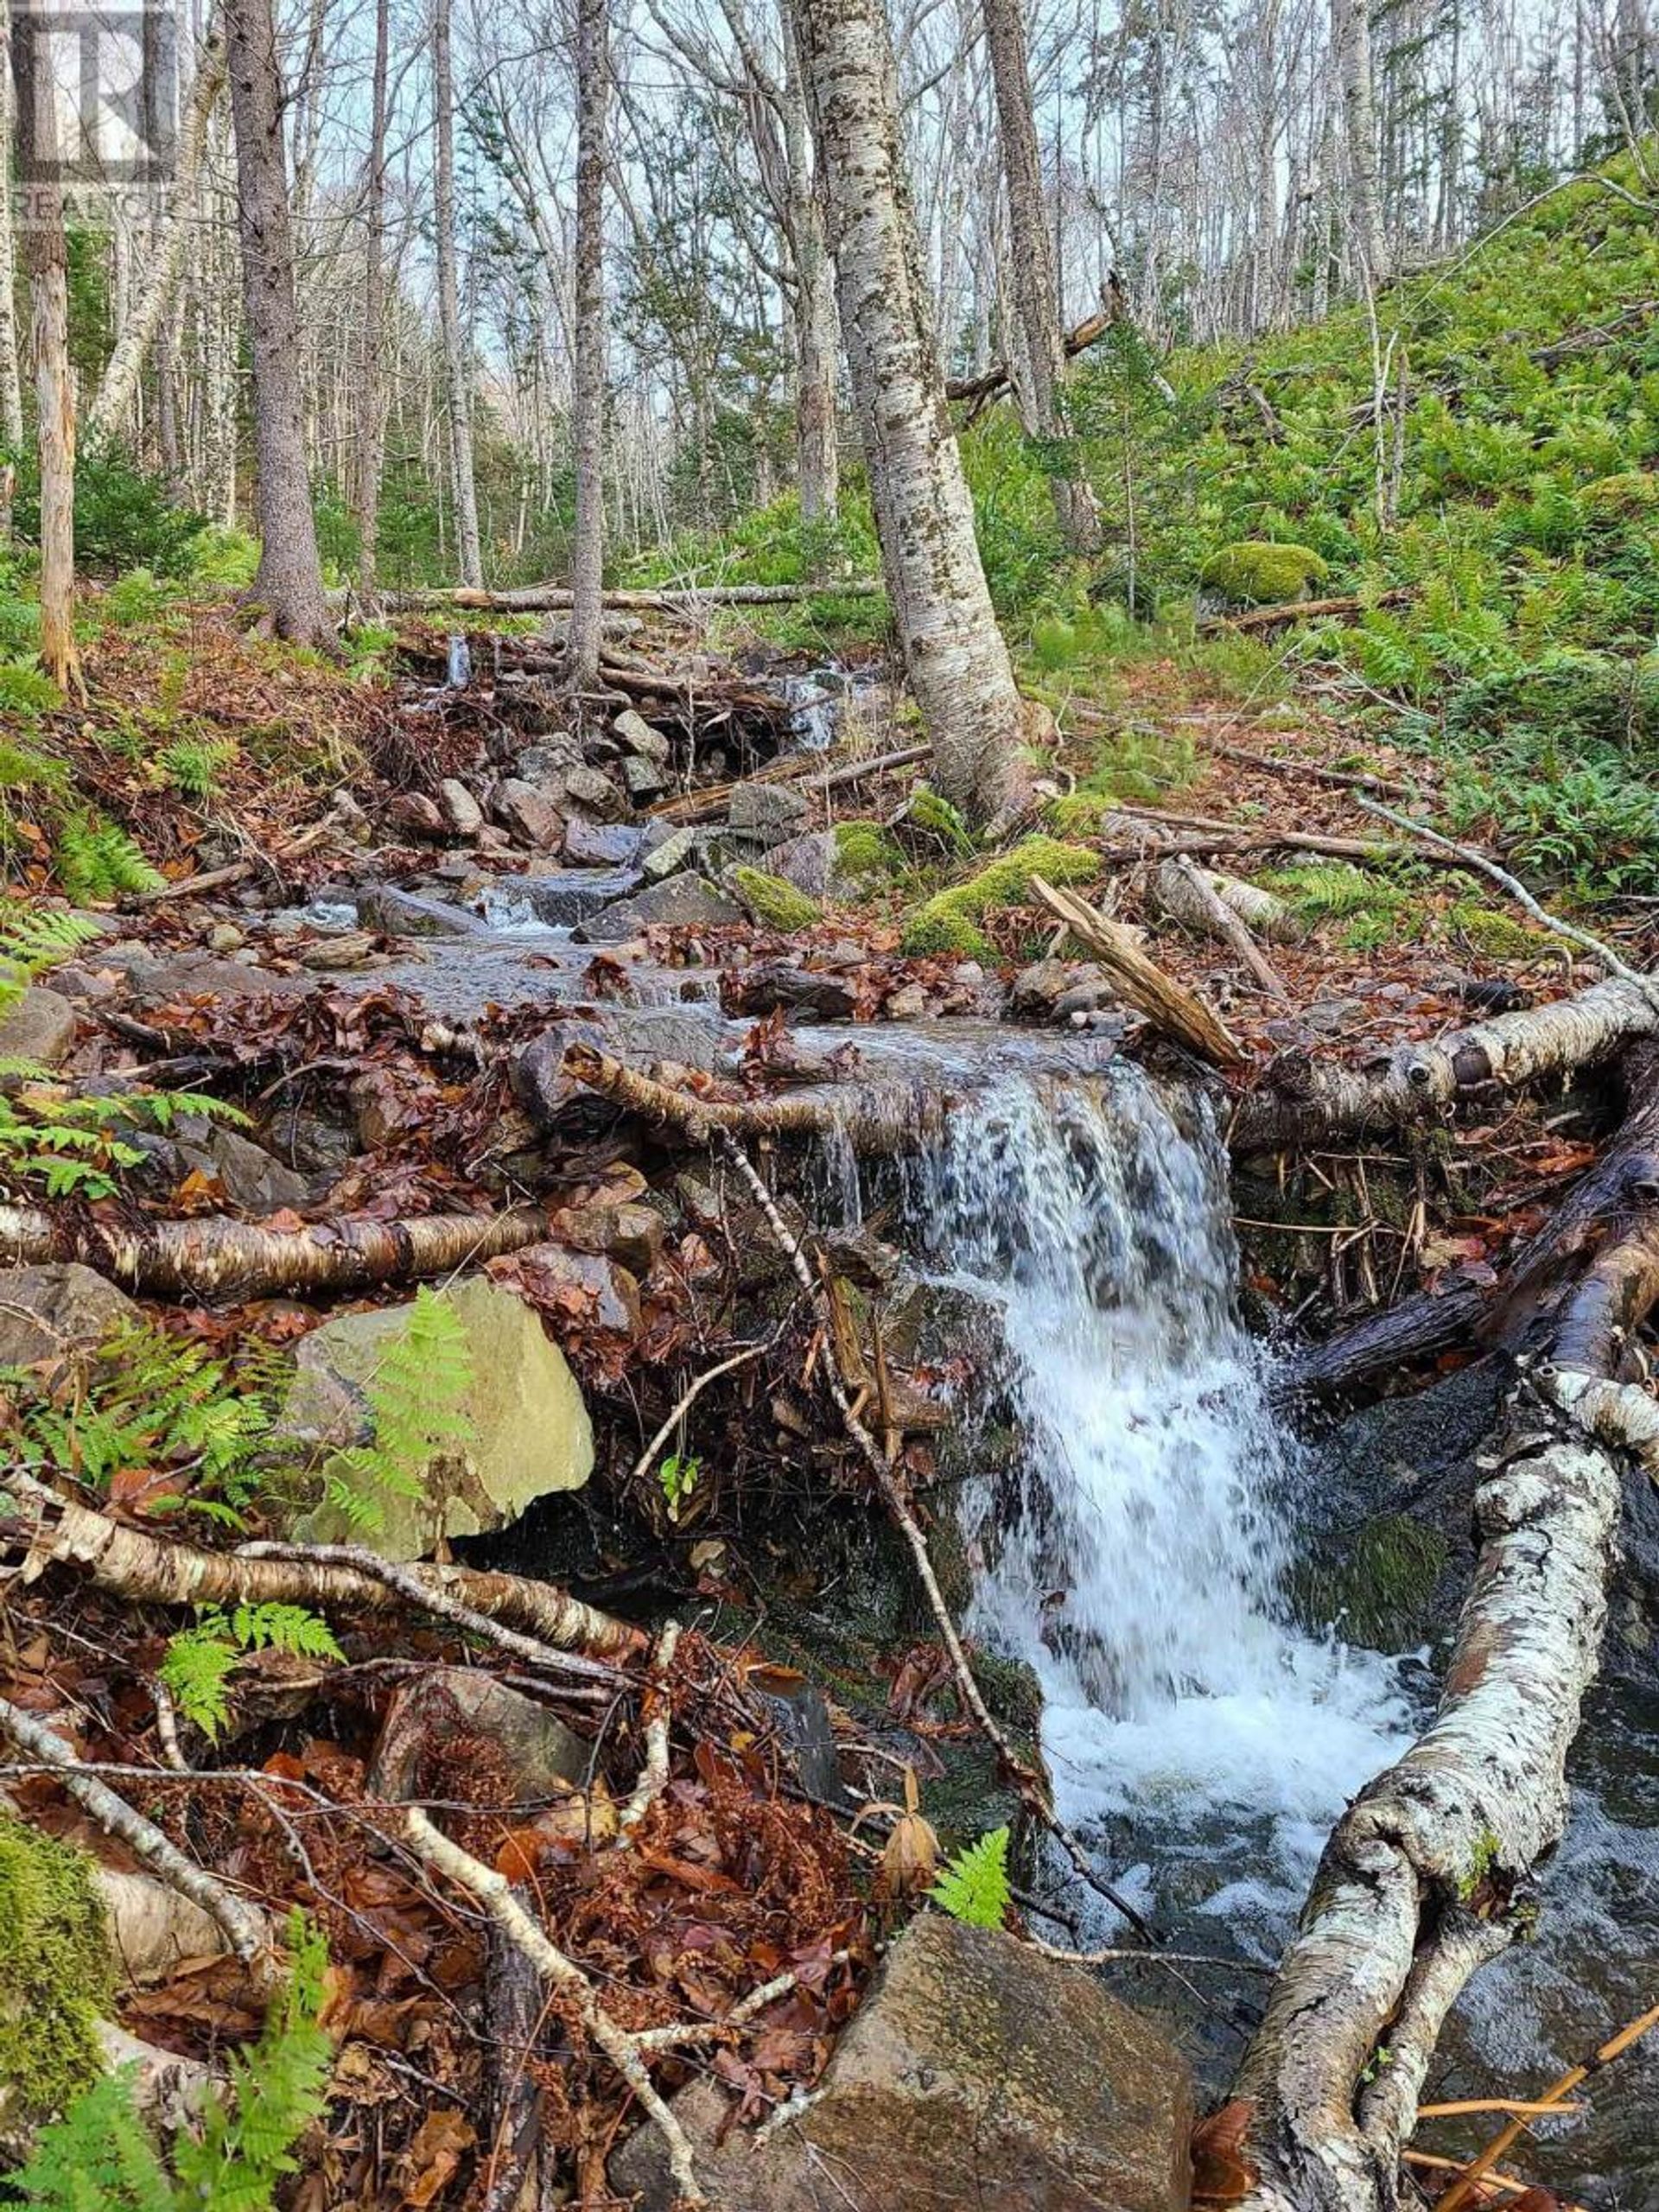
96	859
974	1886
418	1413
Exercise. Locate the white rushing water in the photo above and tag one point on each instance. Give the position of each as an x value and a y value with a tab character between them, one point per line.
1138	1562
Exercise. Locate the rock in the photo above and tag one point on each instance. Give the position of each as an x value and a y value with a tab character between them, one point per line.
595	1293
351	950
683	902
630	1234
444	1702
974	2073
907	1003
638	736
461	809
308	1142
772	812
593	792
528	812
48	1311
1097	996
200	975
800	1715
40	1026
797	990
602	844
640	1036
532	1433
413	810
677	850
403	913
225	936
645	779
808	862
251	1180
548	762
771	903
567	895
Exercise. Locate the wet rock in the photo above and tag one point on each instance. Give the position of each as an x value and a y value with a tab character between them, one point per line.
200	975
48	1312
592	1291
461	809
685	901
975	2073
528	812
642	1037
253	1181
800	1716
414	811
565	896
1090	999
636	736
424	1716
800	991
771	812
40	1026
352	950
630	1234
530	1431
1055	988
404	913
677	850
645	779
602	844
591	791
908	1003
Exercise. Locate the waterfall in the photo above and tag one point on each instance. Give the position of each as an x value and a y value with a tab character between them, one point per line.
1137	1555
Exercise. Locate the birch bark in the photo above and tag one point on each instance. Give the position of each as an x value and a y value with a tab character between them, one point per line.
456	367
45	259
588	408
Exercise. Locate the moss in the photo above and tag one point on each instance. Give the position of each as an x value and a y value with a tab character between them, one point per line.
1255	573
937	819
949	922
1382	1591
1631	497
56	1976
772	903
1499	936
865	848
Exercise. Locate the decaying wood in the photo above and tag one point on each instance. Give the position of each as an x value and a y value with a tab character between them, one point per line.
865	1112
1169	1006
1308	1102
1220	907
1384	1344
1347	779
553	598
217	1258
1305	610
710	801
494	1892
155	1570
244	1926
980	391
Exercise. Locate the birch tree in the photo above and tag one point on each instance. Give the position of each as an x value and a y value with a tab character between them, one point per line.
456	349
955	656
371	392
11	386
289	583
588	413
46	260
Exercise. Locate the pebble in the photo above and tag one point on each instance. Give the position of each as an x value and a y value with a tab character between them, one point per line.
225	936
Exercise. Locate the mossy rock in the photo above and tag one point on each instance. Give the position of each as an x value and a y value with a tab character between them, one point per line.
57	1979
1631	497
949	922
1257	573
1575	699
866	850
771	902
1382	1593
937	820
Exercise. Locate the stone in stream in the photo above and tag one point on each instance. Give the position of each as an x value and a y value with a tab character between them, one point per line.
404	913
641	1037
771	812
414	811
602	844
638	736
684	902
47	1312
976	2074
529	813
567	895
799	991
530	1431
41	1028
200	975
675	851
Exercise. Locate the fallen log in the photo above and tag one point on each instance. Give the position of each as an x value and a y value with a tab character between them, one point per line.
1169	1006
1222	907
710	805
554	599
215	1257
1305	610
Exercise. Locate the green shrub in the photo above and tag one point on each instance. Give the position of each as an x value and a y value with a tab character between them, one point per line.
1573	699
27	692
20	625
949	922
1255	573
124	518
194	765
134	598
96	859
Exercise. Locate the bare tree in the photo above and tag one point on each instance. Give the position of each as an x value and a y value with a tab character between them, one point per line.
46	260
1350	39
456	350
371	392
11	384
588	413
955	656
289	584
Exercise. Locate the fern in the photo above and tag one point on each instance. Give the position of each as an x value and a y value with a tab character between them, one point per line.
79	1145
100	2156
418	1413
32	940
26	692
200	1661
974	1886
96	859
192	766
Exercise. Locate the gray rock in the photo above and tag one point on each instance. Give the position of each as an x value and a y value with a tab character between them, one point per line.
567	895
548	762
40	1026
48	1312
461	809
532	1433
201	974
974	2073
641	1037
773	812
683	902
637	735
677	850
595	1292
251	1180
808	862
308	1143
908	1003
602	844
645	779
629	1233
1035	990
404	913
442	1702
527	811
591	791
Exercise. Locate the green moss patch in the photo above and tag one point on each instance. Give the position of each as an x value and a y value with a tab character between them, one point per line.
949	922
772	903
936	819
1255	573
57	1980
1383	1593
865	849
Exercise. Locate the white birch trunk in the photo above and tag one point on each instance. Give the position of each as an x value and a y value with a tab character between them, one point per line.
1351	30
587	407
11	382
455	363
45	259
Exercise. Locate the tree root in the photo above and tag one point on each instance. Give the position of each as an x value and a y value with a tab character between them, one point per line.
215	1258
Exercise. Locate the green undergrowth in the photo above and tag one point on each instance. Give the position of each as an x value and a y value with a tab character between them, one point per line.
775	546
950	920
56	1976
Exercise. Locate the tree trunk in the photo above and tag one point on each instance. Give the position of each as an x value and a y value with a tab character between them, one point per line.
45	259
1036	288
166	251
587	410
957	662
456	371
289	584
12	384
371	392
1351	30
817	335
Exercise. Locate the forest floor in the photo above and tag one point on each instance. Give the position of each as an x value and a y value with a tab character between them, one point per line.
388	1074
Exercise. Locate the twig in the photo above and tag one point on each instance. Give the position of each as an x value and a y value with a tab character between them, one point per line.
166	1727
683	2033
1516	889
682	1405
495	1893
653	1778
1127	1954
244	1926
1024	1778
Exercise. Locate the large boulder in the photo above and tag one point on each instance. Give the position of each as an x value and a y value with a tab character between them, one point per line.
683	902
530	1431
975	2073
771	812
45	1312
40	1027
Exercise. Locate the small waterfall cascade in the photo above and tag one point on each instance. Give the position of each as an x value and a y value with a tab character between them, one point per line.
1137	1555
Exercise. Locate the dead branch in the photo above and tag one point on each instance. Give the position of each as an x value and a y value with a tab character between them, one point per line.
243	1925
495	1893
213	1257
1169	1006
653	1778
980	391
234	871
1211	906
864	1110
1345	779
155	1570
682	1405
710	804
1305	610
543	599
